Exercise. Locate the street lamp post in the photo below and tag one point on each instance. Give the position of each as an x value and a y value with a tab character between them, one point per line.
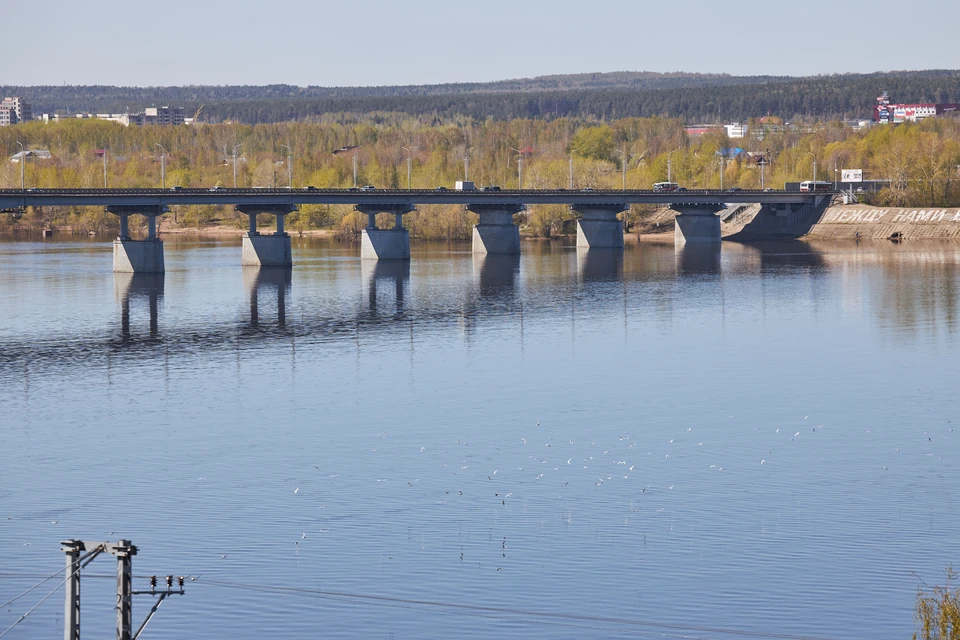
163	166
519	168
811	153
235	150
289	165
409	167
23	160
466	164
571	171
670	165
104	167
623	152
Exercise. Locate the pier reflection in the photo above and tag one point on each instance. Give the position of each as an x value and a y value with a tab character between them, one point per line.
379	277
599	265
136	288
268	282
496	275
694	260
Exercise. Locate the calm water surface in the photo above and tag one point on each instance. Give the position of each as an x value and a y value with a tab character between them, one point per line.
583	445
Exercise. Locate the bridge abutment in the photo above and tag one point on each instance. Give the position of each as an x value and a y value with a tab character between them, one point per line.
385	244
598	226
697	224
266	250
496	233
138	256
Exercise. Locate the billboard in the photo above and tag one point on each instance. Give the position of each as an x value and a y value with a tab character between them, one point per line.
851	175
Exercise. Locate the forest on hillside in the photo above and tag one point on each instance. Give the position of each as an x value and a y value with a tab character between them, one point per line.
921	162
689	97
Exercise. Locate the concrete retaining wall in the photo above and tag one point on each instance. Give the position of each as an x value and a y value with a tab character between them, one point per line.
861	221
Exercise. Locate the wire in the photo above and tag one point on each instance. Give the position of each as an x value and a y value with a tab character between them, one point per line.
460	608
50	577
24	616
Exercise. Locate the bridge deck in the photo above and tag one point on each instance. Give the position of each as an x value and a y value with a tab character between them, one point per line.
15	198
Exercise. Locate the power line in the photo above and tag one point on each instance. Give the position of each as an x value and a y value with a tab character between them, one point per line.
24	616
50	577
459	608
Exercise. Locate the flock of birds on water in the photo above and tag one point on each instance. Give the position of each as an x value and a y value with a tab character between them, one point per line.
551	460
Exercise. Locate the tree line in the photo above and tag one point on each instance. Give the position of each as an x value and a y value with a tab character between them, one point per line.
690	97
921	162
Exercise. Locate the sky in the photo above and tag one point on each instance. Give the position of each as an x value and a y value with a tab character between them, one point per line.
377	42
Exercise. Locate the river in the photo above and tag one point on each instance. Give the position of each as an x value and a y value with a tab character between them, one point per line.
564	445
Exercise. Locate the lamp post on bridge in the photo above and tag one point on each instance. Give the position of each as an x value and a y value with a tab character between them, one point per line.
519	168
670	165
811	153
163	166
623	152
466	164
409	167
23	159
571	171
235	150
289	166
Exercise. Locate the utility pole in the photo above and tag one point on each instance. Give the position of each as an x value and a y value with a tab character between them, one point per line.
104	167
124	552
163	166
289	166
571	171
23	160
354	168
409	167
466	164
519	168
235	149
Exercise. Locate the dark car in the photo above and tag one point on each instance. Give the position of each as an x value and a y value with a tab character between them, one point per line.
734	190
491	188
310	188
442	189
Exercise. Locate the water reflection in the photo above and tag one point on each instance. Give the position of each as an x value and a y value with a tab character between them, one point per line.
496	274
379	276
270	282
698	260
137	287
599	265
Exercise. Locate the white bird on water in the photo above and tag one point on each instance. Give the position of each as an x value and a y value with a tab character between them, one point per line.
296	490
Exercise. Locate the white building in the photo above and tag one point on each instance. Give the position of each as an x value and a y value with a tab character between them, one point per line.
736	130
14	110
36	154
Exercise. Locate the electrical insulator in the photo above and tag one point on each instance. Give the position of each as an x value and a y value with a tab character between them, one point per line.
169	581
153	582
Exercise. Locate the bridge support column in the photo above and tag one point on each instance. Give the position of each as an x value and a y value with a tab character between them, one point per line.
385	244
138	256
598	228
697	224
496	233
271	250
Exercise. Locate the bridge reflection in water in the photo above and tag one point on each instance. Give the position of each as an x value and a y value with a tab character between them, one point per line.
267	281
135	288
599	265
379	276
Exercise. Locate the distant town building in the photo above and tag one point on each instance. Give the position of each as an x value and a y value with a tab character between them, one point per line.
886	112
736	130
163	115
14	111
36	154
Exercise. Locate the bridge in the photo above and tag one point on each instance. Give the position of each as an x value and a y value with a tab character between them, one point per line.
496	233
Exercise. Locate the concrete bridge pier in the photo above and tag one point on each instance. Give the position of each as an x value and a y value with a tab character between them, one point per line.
598	226
272	250
697	224
496	233
138	256
385	244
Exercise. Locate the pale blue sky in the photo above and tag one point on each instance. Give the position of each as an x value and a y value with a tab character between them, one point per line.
374	42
